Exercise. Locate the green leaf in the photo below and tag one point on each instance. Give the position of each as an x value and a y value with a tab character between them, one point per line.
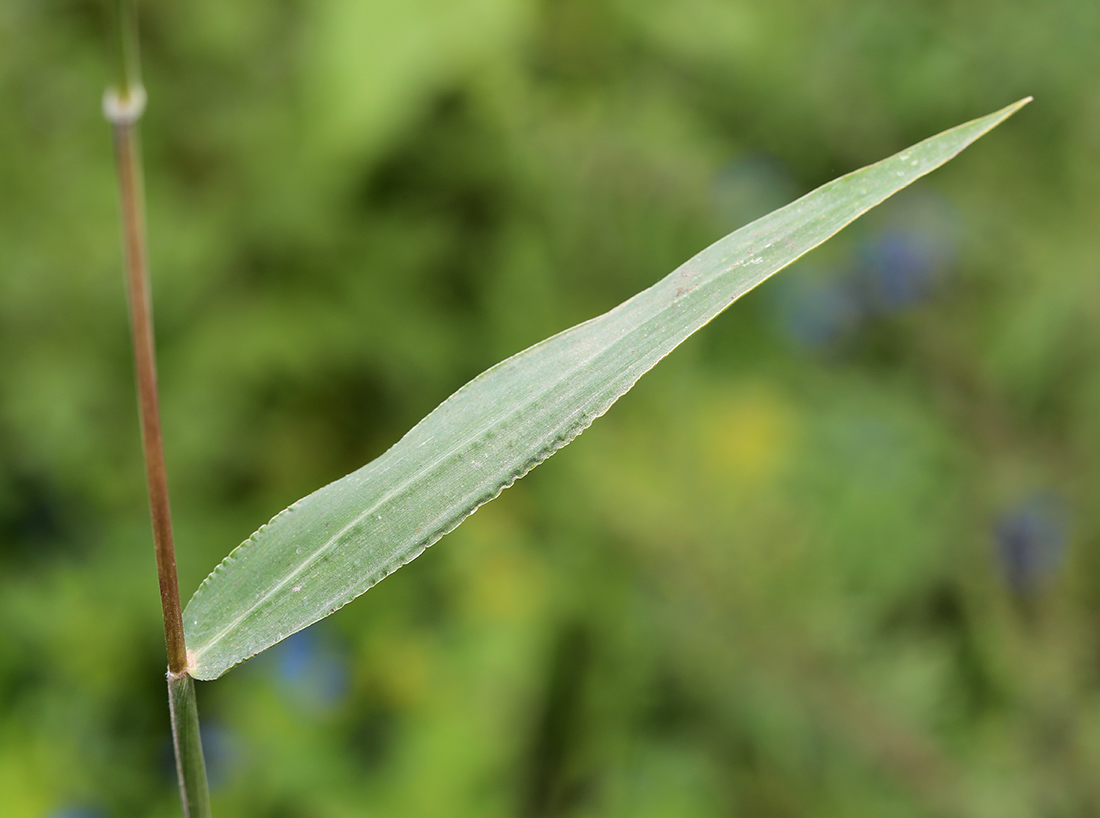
333	545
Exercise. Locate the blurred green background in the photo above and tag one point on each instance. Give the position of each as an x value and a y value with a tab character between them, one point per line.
836	556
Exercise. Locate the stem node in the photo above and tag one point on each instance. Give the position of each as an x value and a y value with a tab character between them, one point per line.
124	107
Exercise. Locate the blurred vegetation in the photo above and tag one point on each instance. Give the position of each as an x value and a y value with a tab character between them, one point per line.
836	556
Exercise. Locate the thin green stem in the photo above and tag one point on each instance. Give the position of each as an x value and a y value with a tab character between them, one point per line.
127	56
190	767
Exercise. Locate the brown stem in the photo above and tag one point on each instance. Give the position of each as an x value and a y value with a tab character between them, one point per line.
123	112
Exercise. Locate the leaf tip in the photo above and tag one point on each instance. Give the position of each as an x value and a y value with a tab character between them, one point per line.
1016	106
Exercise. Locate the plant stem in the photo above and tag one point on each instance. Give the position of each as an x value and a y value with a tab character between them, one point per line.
190	767
128	63
123	108
123	114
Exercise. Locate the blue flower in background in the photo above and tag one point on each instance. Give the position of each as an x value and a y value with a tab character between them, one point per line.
313	671
1031	540
817	310
893	269
896	269
900	266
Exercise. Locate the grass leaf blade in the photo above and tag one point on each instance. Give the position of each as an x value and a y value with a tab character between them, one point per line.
333	545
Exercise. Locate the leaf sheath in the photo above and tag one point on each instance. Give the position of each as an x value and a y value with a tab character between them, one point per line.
190	767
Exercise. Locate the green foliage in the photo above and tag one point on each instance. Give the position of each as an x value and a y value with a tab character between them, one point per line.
333	545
